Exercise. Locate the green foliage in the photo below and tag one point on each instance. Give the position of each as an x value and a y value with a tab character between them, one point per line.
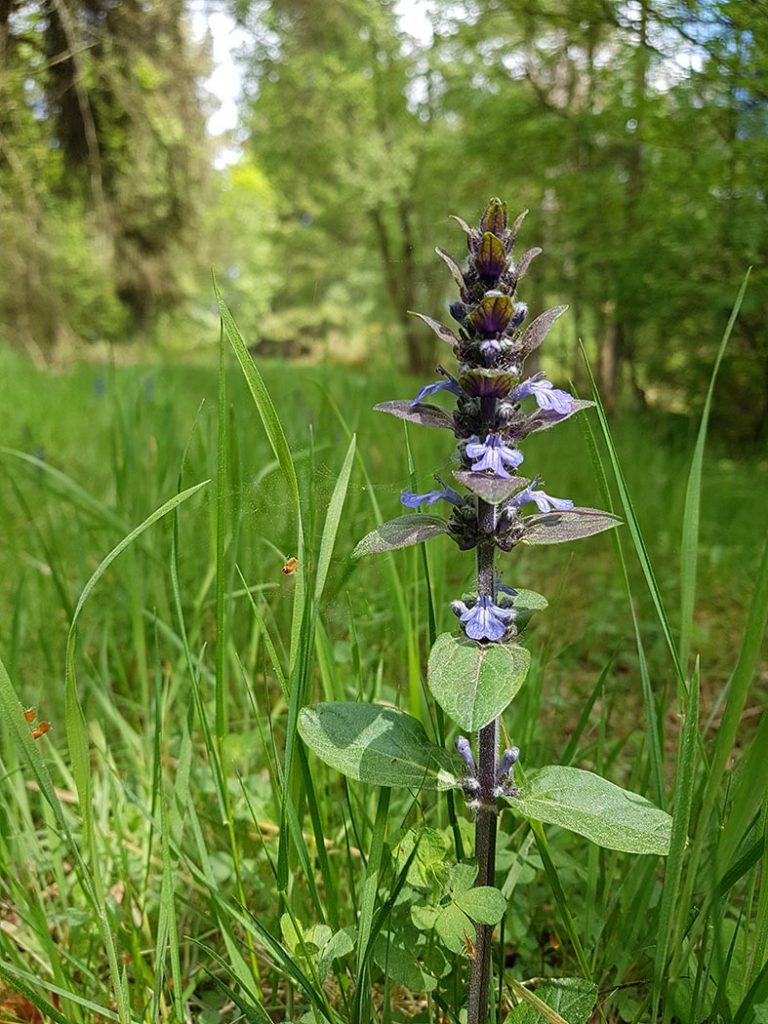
473	683
189	894
401	533
593	807
572	1000
378	745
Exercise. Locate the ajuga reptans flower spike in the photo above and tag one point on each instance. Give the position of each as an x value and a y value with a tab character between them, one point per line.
475	672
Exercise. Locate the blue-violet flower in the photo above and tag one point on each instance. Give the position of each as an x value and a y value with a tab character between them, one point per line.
449	384
492	454
543	501
484	620
411	500
546	394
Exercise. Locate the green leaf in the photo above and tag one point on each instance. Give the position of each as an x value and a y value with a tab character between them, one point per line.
569	999
472	682
424	414
377	744
462	878
538	329
595	808
400	533
525	603
452	925
493	489
332	519
560	527
401	965
483	904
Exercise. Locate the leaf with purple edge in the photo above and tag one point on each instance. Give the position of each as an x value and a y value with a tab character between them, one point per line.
453	266
493	489
491	259
424	414
537	331
481	382
573	524
493	314
494	218
444	333
401	533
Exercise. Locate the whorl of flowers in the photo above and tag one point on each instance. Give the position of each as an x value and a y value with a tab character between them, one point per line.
497	407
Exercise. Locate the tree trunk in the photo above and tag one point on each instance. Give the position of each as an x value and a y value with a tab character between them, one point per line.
611	352
399	275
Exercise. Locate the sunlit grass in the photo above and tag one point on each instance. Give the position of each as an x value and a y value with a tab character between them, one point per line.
192	646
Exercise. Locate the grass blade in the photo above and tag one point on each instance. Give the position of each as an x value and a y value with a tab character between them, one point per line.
689	546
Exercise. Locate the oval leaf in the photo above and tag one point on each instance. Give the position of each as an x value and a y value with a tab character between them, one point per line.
595	808
424	414
472	682
559	527
400	533
493	489
379	745
483	904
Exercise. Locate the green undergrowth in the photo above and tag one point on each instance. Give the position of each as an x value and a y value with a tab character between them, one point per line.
169	851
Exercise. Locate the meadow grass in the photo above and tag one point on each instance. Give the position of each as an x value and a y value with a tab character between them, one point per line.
169	852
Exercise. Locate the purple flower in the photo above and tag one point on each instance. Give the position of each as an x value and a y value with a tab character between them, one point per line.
546	394
484	620
411	500
503	588
492	454
543	501
464	747
450	384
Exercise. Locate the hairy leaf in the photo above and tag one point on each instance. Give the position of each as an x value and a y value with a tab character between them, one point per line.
593	807
400	533
573	524
473	682
543	419
379	745
423	413
473	235
444	333
526	260
493	489
571	999
539	328
453	266
516	227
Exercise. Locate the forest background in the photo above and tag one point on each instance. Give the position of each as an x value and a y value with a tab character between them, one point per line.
635	133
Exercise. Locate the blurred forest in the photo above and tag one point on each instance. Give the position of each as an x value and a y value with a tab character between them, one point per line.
634	131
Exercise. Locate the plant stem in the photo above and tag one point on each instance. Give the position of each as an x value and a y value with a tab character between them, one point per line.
485	825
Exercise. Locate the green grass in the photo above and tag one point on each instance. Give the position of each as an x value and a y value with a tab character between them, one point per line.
167	849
